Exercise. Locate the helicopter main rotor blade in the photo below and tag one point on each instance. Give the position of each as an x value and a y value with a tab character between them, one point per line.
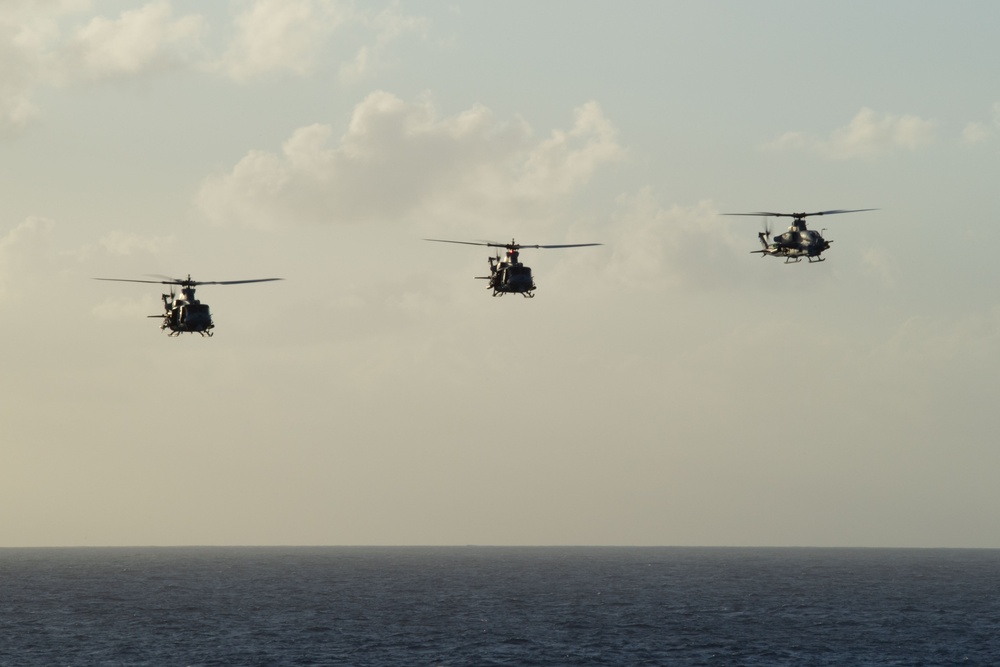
485	243
805	215
190	283
514	246
563	245
152	282
232	282
853	210
762	213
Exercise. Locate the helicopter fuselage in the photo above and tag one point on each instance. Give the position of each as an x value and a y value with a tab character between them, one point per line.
796	243
186	314
510	277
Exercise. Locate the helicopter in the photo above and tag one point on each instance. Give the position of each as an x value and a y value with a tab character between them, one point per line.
186	314
798	241
510	276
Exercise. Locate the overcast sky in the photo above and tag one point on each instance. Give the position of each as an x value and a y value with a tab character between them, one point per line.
666	388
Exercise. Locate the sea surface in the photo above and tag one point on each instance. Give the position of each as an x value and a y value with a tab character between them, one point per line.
481	606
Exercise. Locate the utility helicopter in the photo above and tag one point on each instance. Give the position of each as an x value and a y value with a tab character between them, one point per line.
186	314
509	275
798	241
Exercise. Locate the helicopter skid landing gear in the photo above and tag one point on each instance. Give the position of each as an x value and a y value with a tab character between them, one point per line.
526	295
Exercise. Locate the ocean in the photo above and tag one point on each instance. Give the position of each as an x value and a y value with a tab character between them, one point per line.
484	606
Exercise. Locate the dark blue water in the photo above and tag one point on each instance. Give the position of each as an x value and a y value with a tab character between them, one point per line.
499	606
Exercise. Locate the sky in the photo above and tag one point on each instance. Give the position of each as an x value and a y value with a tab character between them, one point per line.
665	388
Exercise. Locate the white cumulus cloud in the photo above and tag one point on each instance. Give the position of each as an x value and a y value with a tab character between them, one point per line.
979	132
59	43
136	41
399	158
38	50
274	36
28	35
388	25
868	135
278	35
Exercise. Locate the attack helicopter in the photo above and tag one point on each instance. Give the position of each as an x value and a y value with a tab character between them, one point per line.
186	314
798	241
509	275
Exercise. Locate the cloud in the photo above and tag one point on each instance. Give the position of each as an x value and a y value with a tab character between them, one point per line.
122	309
274	36
398	159
36	51
389	25
656	247
979	132
16	107
24	251
879	263
868	135
122	244
27	34
53	43
137	41
969	339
